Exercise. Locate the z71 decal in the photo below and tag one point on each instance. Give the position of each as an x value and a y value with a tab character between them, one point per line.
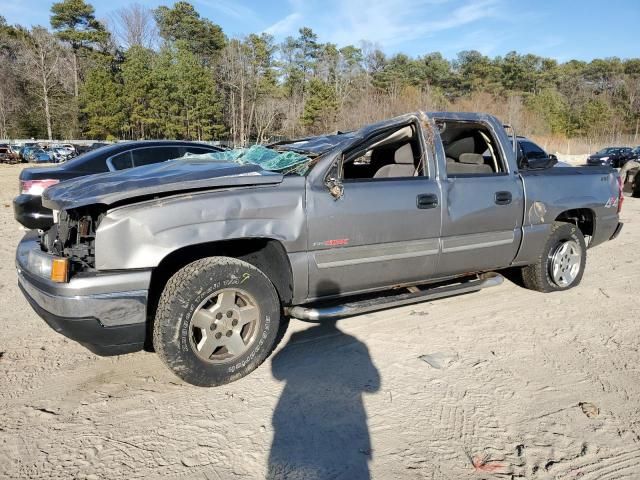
336	242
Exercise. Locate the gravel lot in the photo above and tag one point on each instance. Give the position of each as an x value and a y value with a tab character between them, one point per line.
520	384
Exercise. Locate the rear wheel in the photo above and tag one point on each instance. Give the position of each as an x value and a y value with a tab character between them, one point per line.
217	320
561	263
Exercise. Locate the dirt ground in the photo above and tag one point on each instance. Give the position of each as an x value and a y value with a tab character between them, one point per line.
519	384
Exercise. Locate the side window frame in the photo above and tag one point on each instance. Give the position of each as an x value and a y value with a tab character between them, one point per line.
205	150
361	149
177	148
498	148
112	167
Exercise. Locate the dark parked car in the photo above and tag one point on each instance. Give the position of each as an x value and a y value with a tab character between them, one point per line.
27	206
24	149
531	156
614	157
7	155
37	155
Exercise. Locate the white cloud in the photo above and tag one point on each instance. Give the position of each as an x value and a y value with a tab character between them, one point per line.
285	26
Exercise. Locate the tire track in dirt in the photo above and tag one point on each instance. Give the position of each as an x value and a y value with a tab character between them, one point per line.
610	466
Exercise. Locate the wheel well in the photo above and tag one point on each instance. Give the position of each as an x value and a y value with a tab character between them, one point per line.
265	254
583	218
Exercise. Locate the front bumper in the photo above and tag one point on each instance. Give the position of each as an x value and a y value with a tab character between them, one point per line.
105	312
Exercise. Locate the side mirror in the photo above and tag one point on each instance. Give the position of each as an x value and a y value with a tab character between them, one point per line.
553	157
335	186
334	183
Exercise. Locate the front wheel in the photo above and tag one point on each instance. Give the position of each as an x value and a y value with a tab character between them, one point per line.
561	263
217	320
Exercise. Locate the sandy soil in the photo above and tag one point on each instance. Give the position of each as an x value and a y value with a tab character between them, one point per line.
518	384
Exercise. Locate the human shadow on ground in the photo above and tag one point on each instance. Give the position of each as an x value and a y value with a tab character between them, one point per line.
320	423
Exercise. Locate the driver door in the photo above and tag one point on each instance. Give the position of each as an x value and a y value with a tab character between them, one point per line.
381	233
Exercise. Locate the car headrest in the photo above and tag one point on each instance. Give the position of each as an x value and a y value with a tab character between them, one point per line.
404	155
471	158
458	147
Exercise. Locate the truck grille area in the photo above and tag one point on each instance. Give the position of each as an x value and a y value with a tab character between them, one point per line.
73	237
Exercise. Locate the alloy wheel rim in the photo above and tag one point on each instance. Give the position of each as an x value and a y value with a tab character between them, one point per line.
564	264
224	326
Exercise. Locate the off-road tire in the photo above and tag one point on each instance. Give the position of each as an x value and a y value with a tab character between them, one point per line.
537	276
184	293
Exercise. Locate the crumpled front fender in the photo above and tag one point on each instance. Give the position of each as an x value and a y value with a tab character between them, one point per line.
141	235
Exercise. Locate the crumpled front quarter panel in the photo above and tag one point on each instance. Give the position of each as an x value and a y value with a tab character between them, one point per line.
141	235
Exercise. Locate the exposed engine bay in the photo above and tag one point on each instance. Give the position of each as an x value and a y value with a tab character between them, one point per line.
73	237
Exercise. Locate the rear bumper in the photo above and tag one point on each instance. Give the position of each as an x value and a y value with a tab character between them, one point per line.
617	231
28	211
106	313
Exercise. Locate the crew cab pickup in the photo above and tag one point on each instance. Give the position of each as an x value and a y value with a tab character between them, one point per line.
205	258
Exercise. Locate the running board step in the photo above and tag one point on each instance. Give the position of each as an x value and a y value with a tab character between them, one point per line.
380	303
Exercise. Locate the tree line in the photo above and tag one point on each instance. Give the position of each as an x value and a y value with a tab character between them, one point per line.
170	73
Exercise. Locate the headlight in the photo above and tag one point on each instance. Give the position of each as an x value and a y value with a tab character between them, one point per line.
47	266
40	263
604	159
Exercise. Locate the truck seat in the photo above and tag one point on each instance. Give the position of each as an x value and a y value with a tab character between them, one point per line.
403	165
469	163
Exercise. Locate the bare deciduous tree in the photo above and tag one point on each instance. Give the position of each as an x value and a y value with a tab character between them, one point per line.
134	25
9	100
40	59
268	113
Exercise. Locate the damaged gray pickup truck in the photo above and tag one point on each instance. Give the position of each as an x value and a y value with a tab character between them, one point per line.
204	258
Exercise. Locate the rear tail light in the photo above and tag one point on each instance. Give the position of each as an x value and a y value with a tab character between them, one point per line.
620	194
36	187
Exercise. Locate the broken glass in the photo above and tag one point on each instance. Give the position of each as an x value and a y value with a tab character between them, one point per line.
286	162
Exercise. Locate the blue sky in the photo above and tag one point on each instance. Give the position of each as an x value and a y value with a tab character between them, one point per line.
562	29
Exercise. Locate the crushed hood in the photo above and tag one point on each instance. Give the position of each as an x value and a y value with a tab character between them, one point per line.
164	178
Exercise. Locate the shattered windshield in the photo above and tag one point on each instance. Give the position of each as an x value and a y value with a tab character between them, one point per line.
285	162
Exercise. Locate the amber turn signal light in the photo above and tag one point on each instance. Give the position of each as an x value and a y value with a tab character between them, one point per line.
60	270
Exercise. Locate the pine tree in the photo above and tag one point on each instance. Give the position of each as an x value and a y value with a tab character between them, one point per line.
74	22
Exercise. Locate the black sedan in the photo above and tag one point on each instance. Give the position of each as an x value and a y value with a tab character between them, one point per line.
532	157
27	206
614	157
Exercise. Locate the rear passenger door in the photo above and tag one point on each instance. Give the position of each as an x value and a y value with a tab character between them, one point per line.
482	212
